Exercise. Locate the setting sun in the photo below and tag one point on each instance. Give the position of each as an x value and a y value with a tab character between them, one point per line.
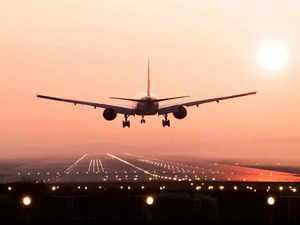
272	56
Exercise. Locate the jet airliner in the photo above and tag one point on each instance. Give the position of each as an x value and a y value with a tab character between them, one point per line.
145	106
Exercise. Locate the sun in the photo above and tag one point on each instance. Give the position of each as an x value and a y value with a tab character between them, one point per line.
272	56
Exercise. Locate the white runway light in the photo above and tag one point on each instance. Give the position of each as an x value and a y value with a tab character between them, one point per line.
271	200
26	200
149	200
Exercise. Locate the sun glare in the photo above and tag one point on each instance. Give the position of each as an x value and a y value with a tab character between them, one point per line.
272	56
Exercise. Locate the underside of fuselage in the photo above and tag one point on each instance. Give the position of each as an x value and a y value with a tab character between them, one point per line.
148	106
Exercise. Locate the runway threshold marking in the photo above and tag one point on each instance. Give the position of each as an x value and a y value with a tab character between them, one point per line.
101	165
132	165
90	165
93	166
70	168
95	161
97	165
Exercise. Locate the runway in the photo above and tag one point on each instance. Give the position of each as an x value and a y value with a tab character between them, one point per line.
125	167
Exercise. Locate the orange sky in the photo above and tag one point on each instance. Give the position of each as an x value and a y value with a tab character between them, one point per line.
91	50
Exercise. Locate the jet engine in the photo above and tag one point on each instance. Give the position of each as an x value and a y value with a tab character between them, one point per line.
180	113
109	114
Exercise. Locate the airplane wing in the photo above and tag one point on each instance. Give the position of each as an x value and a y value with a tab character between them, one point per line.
174	108
118	109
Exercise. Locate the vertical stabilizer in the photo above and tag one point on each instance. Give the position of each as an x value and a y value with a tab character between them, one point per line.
148	84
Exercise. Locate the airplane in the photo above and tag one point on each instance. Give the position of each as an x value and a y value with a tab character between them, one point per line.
146	106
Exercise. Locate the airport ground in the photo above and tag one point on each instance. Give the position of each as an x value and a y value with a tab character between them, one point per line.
126	167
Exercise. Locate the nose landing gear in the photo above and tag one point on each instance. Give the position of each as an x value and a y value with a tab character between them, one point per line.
143	120
126	122
166	122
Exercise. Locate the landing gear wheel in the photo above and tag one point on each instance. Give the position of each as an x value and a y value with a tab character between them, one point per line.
126	124
143	121
166	123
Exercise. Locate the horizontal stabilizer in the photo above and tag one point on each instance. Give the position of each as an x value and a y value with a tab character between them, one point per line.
127	99
166	99
147	100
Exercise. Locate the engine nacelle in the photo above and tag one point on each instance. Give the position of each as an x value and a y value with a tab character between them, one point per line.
180	113
109	114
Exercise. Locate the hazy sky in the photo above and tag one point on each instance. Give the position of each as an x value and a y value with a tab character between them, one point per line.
90	50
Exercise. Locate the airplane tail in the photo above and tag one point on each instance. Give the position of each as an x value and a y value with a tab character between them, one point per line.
148	92
148	84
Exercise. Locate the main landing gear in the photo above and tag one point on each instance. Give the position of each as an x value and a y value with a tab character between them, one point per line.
166	122
126	122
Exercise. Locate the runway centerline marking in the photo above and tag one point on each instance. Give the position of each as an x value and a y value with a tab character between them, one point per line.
70	168
130	164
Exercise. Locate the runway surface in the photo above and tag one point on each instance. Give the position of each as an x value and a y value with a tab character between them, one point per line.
125	167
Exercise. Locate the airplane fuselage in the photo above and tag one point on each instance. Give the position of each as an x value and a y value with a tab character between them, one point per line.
148	106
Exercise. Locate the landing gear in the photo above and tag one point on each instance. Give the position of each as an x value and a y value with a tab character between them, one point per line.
166	122
143	120
126	122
